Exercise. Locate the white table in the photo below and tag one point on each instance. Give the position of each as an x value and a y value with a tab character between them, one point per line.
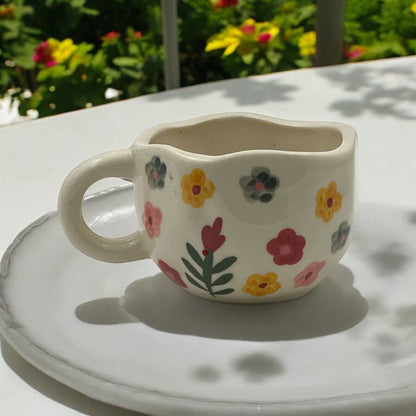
377	98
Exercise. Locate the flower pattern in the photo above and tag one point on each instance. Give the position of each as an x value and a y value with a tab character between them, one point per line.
262	284
260	186
287	247
152	217
212	239
171	273
155	172
310	274
339	237
328	201
196	188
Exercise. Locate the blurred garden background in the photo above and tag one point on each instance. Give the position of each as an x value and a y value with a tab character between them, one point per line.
64	55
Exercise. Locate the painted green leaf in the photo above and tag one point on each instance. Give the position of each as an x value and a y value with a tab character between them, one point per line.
194	282
224	264
207	266
224	292
194	254
222	280
192	269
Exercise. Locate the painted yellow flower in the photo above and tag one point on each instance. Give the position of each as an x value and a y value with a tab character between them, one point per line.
61	51
196	188
328	202
262	284
307	43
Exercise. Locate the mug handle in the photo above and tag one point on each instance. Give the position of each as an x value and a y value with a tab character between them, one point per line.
117	164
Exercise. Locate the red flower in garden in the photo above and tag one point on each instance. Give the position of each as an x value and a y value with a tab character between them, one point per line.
110	37
138	34
171	273
211	236
43	54
310	274
265	37
222	4
287	247
248	29
152	217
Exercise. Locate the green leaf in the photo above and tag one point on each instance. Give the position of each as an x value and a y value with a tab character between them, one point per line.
224	264
194	282
222	280
224	292
194	254
247	58
125	61
192	269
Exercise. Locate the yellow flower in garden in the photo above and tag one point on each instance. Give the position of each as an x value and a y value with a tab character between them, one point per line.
61	51
262	284
196	188
244	38
413	7
307	43
229	39
328	201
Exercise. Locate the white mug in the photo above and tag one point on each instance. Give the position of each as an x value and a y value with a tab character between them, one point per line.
234	207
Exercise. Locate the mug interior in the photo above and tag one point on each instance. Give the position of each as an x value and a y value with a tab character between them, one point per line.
220	136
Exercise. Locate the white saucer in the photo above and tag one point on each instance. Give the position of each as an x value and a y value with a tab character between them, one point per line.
126	335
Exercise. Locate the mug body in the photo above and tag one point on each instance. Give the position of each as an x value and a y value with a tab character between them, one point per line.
246	208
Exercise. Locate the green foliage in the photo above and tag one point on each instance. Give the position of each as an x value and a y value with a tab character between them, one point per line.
386	28
108	51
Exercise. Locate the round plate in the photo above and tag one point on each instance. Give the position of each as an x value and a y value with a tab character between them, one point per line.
126	335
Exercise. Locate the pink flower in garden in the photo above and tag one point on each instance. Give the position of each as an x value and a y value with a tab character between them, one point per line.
43	54
211	237
355	51
287	247
310	274
171	273
264	37
152	217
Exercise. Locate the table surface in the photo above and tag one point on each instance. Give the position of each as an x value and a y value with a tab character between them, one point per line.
378	98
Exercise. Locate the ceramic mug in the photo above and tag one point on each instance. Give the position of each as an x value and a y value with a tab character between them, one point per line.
234	207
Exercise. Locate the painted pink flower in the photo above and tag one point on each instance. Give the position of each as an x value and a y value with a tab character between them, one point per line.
287	247
171	273
310	274
152	217
211	236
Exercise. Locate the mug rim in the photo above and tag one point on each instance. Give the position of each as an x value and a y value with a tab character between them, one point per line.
347	132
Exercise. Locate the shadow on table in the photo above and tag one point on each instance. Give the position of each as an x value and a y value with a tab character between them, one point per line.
56	390
245	91
388	91
334	306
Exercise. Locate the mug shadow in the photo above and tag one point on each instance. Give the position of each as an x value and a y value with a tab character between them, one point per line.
334	306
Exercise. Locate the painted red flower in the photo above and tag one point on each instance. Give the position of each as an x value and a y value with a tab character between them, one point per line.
171	273
211	236
152	217
310	274
287	247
